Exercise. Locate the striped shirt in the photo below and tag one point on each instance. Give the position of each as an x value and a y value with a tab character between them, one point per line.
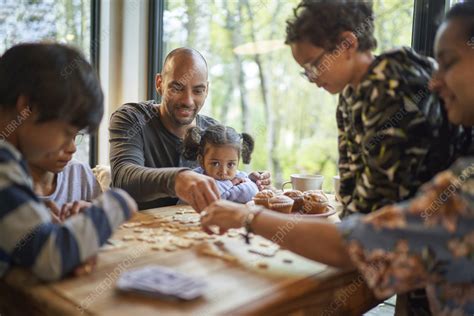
28	237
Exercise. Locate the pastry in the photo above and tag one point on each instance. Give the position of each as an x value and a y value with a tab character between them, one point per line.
315	202
298	198
262	197
281	203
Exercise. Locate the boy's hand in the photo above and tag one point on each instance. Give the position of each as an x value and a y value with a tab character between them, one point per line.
86	267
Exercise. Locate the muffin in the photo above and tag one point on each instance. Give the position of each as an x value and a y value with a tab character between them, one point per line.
281	203
262	197
315	202
298	199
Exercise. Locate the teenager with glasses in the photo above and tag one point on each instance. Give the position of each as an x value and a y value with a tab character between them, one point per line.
393	135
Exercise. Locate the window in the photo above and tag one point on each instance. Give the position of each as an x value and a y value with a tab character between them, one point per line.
453	2
65	21
292	122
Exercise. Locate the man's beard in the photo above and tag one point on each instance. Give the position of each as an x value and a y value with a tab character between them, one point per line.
180	120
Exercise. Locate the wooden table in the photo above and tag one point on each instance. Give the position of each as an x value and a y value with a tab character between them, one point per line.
302	287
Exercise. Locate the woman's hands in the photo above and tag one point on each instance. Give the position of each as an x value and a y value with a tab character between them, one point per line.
225	215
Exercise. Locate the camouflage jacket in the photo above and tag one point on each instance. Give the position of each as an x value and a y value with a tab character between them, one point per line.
393	133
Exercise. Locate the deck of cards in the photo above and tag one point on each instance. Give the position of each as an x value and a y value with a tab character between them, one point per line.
161	282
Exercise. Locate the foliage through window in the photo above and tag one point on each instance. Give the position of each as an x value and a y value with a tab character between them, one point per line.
63	21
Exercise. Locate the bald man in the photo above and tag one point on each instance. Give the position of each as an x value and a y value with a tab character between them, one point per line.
146	138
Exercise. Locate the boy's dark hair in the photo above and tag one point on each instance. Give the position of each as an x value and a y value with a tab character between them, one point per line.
463	11
321	22
57	81
196	139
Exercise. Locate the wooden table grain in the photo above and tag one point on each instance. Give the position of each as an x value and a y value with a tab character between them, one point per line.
302	287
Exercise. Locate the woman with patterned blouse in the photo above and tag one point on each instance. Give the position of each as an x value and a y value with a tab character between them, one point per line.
427	241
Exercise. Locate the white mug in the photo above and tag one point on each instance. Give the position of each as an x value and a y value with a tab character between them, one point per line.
305	182
337	185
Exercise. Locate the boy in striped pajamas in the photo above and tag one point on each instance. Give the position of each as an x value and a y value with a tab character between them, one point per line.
48	92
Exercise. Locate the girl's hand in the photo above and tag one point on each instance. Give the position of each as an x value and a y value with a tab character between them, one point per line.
237	180
225	215
54	211
262	179
59	215
73	208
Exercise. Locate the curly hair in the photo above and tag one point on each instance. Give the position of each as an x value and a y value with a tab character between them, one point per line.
464	12
196	140
321	22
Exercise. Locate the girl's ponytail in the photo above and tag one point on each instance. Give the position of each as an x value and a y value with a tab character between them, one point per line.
192	143
247	147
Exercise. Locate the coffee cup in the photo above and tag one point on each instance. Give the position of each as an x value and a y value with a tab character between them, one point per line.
305	182
337	185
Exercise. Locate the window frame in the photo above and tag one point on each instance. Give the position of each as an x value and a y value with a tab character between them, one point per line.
426	20
95	58
155	45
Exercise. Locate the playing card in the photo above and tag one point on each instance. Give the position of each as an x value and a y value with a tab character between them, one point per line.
160	281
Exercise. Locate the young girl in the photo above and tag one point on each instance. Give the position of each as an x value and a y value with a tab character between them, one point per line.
218	150
59	179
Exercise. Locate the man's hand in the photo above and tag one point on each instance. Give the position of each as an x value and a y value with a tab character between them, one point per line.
196	189
262	179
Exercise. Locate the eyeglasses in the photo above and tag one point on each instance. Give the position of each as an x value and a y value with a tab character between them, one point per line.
312	69
78	139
